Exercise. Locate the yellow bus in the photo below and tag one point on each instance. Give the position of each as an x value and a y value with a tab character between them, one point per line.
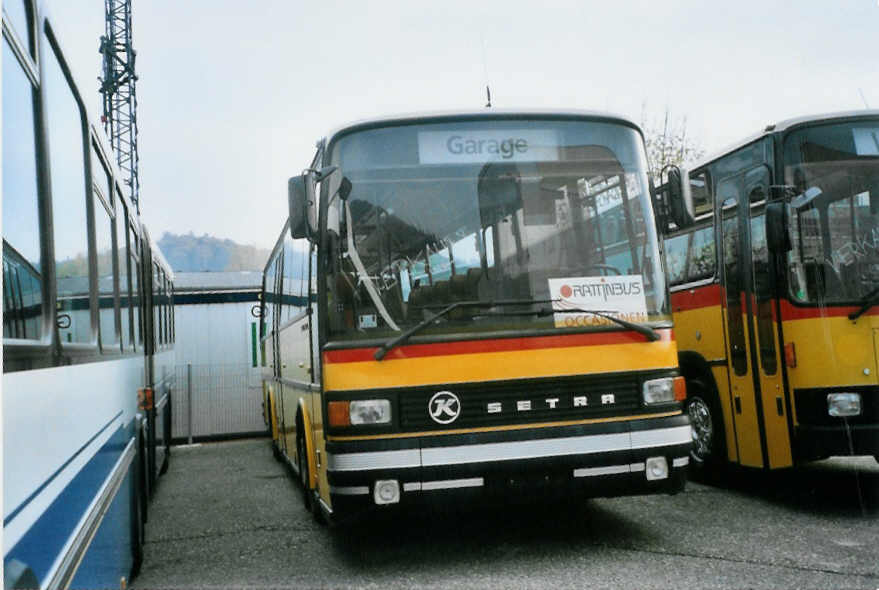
473	303
772	253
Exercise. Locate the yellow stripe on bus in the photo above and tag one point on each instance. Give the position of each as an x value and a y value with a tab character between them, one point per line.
492	366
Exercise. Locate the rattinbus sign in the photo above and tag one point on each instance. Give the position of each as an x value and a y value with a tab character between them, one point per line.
620	296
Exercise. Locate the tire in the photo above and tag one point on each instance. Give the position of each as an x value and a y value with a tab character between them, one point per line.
304	473
709	438
276	450
138	513
137	538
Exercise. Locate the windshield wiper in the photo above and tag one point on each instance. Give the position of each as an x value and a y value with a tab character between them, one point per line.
651	334
871	299
398	340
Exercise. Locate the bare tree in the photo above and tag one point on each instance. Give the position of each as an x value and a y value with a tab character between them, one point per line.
668	143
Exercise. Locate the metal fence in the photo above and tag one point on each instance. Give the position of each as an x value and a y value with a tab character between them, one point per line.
216	401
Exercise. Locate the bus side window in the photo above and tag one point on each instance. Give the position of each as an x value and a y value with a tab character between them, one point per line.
702	262
136	299
21	15
700	190
157	326
106	280
22	268
167	301
676	258
123	258
69	213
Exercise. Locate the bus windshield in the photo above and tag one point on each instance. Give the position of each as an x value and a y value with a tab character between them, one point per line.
555	212
834	170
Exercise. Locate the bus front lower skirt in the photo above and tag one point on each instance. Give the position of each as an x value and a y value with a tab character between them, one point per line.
629	458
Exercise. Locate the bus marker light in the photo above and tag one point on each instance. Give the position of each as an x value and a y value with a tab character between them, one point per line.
145	398
657	468
680	389
386	491
841	405
790	355
339	414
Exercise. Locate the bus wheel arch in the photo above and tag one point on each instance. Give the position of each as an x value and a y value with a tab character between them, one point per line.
305	452
706	417
273	426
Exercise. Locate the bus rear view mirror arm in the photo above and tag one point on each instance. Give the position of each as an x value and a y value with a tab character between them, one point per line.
777	227
680	200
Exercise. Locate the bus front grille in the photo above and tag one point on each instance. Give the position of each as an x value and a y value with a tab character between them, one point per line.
556	399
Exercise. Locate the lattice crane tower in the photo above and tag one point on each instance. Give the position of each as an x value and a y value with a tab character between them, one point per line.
117	87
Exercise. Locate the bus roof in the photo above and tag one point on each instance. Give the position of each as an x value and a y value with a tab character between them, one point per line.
487	113
786	125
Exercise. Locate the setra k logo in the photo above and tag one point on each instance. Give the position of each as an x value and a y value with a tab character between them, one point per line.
444	407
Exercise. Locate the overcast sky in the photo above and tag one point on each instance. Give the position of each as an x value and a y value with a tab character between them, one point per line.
233	95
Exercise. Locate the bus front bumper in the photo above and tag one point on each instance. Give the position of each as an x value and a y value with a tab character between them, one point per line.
641	456
841	440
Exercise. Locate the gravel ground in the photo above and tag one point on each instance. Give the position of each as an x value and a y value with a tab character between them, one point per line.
228	515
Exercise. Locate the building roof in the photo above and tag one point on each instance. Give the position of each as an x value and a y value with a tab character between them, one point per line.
243	280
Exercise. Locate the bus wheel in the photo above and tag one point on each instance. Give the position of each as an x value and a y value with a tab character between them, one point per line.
276	449
707	424
302	460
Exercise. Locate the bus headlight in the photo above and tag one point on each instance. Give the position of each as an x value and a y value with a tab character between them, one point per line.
361	412
840	405
663	391
370	411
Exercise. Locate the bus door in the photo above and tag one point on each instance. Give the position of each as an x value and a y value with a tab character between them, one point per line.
763	326
756	389
275	302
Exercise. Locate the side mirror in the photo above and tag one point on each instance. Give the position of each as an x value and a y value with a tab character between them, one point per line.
658	196
297	197
778	228
680	200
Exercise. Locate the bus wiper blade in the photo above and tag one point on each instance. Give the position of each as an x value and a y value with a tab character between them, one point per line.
651	334
398	340
647	331
867	302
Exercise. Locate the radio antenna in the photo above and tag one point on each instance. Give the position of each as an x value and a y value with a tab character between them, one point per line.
485	70
861	92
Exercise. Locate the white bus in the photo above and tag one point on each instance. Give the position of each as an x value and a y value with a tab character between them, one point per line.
88	330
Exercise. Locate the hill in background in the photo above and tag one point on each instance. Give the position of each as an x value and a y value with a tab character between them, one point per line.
191	253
